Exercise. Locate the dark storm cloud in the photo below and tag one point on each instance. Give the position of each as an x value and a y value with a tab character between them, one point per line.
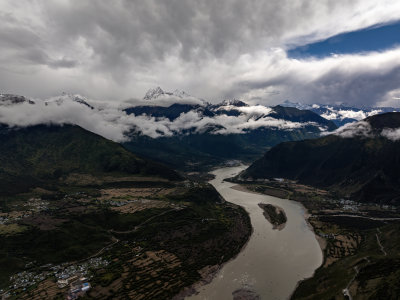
212	49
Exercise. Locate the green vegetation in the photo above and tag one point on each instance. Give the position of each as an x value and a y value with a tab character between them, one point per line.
11	229
43	155
67	195
367	272
196	230
172	248
361	168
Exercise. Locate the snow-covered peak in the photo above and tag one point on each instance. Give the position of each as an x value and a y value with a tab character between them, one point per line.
158	97
297	105
64	97
341	113
159	92
10	99
180	94
153	93
234	102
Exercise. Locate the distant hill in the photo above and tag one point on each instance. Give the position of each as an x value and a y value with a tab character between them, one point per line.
194	148
365	166
35	155
298	115
340	114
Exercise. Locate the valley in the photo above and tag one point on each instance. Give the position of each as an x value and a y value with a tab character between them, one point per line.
83	216
200	150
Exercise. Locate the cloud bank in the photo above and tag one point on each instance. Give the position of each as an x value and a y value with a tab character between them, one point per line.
342	114
114	123
364	129
113	50
356	129
391	134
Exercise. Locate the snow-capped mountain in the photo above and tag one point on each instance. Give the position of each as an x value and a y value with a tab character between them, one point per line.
158	97
154	93
340	114
184	135
230	116
9	99
233	102
158	92
64	97
174	127
163	114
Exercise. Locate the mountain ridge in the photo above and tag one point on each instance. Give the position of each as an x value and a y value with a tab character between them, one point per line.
38	154
340	114
365	168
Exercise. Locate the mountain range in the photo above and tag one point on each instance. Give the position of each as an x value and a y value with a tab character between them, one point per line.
207	134
174	127
181	130
340	114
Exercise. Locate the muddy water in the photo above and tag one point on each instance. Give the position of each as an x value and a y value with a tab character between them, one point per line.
273	261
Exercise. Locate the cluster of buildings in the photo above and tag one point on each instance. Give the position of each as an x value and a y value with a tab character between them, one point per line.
78	285
3	220
62	273
37	205
121	202
34	205
350	205
25	279
327	235
76	276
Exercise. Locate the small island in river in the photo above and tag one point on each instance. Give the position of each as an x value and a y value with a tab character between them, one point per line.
275	215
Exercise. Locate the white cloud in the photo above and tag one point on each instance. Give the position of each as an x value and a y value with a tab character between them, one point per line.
364	129
391	134
356	129
108	123
342	114
253	110
113	123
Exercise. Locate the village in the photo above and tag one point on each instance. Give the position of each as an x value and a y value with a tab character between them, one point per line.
74	277
31	207
71	279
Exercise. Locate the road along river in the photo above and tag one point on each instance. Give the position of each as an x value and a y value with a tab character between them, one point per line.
273	262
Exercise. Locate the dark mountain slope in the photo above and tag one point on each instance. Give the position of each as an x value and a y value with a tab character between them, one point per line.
197	150
297	115
364	168
33	155
190	149
171	112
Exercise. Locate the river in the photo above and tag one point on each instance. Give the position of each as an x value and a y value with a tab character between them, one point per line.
273	262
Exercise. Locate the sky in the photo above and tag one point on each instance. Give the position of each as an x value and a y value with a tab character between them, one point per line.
326	51
381	37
